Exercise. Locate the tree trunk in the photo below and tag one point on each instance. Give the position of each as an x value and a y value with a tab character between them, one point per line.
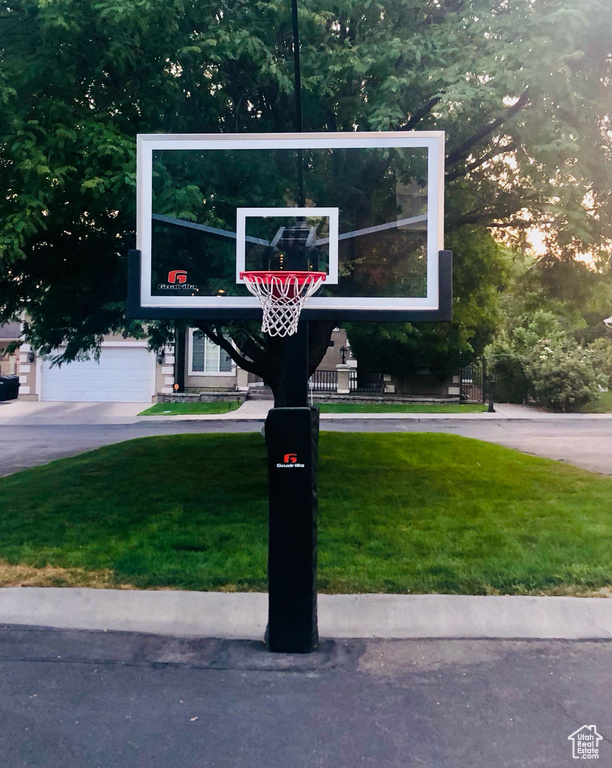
271	358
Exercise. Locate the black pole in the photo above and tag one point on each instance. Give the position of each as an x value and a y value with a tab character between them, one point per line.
292	391
297	76
179	356
489	386
297	81
292	436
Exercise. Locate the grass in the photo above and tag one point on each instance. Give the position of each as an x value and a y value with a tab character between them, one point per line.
398	513
603	404
402	408
182	409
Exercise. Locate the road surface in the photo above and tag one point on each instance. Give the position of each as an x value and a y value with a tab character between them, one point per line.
81	699
585	443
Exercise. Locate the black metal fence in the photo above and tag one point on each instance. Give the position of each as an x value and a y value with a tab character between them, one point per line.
366	381
481	382
473	384
359	381
324	381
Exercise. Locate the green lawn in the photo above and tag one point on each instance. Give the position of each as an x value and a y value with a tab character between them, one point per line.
182	409
398	513
603	404
401	408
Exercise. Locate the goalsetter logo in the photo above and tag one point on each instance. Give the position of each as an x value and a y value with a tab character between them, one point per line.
290	461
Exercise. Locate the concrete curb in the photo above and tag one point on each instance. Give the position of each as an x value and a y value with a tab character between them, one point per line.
244	615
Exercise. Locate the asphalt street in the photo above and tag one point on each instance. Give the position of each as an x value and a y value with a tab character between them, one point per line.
75	698
585	443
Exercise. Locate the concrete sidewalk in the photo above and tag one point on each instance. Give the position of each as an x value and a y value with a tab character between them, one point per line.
244	615
27	413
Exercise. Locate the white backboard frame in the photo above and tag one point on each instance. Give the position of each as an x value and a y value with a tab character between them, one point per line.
433	141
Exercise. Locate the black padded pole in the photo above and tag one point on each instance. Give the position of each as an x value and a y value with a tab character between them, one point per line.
179	360
292	389
292	440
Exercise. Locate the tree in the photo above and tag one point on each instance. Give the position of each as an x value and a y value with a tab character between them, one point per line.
577	292
521	88
403	348
538	354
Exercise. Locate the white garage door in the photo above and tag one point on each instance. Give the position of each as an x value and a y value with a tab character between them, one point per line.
122	375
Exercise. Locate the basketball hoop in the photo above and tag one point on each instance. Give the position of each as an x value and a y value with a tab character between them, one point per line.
282	296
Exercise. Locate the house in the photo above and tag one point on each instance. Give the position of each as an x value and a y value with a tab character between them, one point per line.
9	333
198	365
127	371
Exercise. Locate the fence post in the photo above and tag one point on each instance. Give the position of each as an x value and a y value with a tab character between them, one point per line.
342	387
485	381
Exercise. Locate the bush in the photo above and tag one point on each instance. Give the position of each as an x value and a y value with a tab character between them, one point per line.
562	376
601	355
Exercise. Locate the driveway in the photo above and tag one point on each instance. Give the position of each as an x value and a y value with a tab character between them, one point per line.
32	413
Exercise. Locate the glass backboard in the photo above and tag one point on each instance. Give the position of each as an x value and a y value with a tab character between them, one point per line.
365	208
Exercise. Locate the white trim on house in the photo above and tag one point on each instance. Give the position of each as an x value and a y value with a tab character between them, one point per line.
38	380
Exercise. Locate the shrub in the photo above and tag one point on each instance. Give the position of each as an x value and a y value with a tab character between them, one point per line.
562	376
601	355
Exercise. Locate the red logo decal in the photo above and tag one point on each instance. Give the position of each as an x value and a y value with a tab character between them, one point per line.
290	458
177	276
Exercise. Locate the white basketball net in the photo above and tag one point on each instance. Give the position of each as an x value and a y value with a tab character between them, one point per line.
282	296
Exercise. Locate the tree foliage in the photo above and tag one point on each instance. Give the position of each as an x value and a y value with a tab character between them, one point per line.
576	292
480	267
562	375
541	354
522	89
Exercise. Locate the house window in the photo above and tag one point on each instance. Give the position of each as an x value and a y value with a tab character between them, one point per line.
206	357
